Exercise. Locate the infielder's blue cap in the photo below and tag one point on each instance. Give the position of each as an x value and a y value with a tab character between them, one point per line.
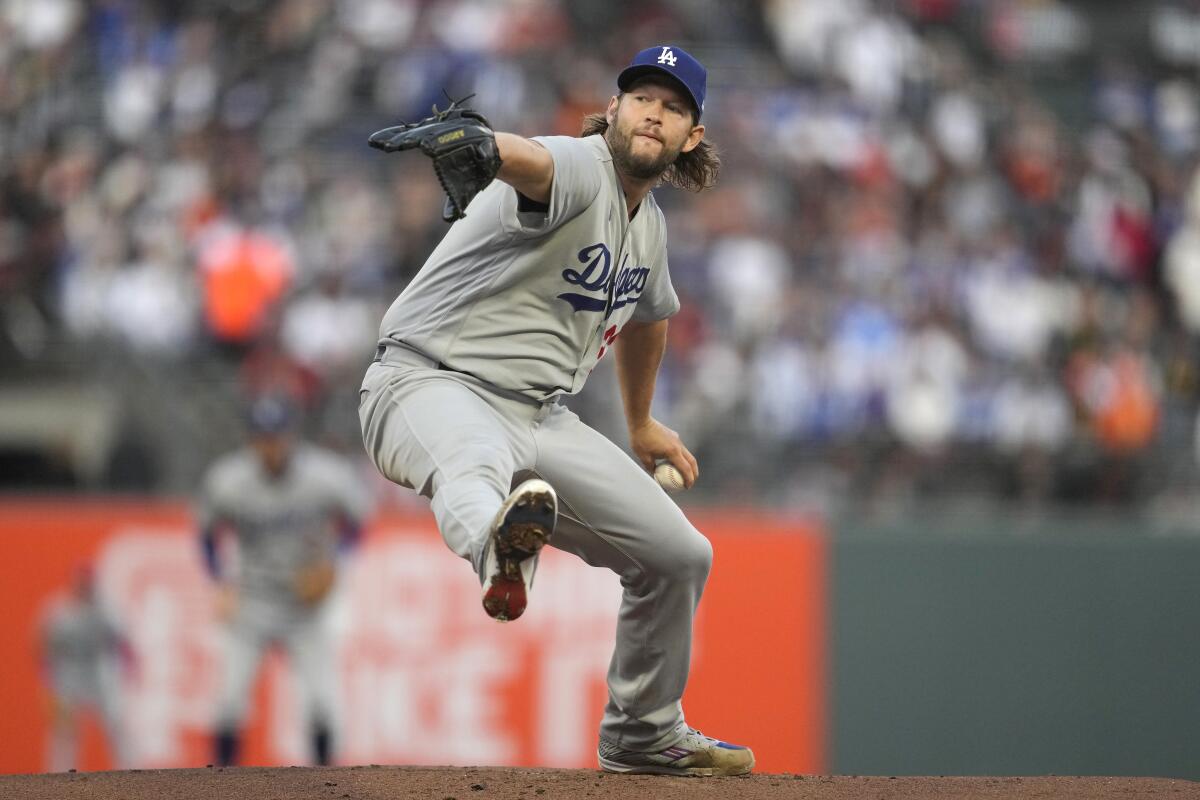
668	60
270	414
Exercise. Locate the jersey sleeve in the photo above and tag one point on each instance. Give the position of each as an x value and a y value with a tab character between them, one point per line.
208	504
216	505
211	516
658	300
578	176
351	498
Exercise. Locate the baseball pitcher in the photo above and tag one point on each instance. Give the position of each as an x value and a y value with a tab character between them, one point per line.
543	273
287	509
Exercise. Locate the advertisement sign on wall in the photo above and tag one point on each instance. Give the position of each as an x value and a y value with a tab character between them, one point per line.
423	676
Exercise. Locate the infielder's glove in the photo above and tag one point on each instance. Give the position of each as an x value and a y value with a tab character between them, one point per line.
463	148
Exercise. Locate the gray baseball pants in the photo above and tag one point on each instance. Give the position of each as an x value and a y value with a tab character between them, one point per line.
304	635
96	686
464	443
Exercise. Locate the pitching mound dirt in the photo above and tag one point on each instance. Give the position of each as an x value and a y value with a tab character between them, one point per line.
455	783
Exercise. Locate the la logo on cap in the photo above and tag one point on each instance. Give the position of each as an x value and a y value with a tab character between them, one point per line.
668	60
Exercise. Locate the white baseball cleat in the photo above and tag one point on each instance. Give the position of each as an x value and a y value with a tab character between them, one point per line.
522	527
695	755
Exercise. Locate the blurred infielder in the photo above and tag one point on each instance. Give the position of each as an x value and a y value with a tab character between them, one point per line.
528	290
290	507
83	653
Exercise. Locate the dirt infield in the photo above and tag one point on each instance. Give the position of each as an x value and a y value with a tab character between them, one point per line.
489	783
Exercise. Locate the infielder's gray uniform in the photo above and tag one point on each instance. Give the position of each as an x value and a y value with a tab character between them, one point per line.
282	525
80	650
512	310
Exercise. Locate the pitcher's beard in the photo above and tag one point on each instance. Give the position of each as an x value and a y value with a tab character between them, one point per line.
640	167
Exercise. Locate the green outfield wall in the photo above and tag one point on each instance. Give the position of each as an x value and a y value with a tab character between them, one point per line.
1067	653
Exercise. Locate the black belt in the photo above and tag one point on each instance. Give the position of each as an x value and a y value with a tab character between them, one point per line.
400	353
381	351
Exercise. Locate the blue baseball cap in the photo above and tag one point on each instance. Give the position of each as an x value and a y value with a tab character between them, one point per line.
668	60
270	415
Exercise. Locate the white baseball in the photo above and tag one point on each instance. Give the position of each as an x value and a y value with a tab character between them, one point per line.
669	478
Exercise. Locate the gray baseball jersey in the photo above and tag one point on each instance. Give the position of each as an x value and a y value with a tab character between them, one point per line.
282	524
529	301
77	638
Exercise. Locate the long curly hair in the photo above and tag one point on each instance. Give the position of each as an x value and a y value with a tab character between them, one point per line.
694	170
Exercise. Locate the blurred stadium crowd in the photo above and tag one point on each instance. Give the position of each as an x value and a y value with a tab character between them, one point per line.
955	251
